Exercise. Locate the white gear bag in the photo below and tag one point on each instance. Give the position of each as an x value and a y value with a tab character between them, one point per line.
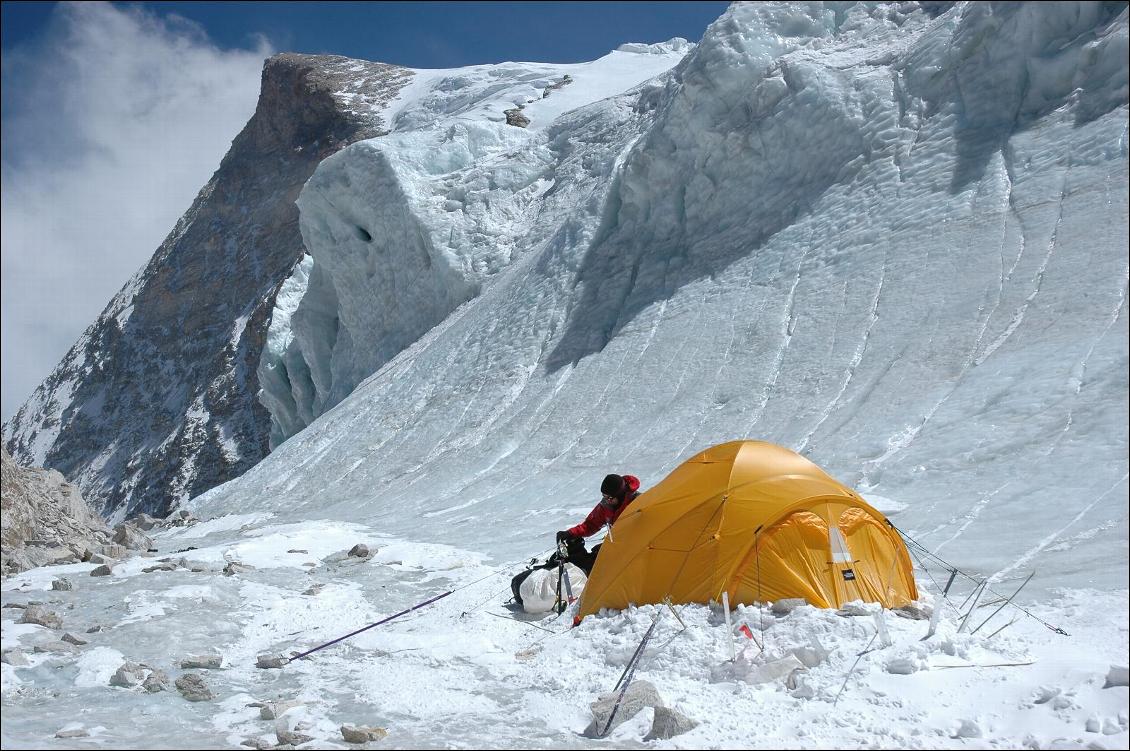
539	590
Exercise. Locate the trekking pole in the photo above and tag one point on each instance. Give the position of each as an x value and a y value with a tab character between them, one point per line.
847	676
671	606
371	625
953	575
563	576
976	591
568	586
631	662
559	606
1002	628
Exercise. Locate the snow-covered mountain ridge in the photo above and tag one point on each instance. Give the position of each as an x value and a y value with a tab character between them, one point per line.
143	419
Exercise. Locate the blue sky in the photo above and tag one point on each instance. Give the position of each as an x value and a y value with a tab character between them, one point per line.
421	34
116	114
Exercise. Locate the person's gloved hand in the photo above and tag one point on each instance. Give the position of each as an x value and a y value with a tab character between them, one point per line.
564	537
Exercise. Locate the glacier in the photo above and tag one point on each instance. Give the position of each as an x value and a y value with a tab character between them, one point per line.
892	237
895	242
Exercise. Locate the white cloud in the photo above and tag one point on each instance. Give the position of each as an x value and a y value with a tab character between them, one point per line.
111	125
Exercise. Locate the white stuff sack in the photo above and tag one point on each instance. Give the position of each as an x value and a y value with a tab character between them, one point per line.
539	590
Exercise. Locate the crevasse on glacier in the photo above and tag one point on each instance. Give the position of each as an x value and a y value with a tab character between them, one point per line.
893	237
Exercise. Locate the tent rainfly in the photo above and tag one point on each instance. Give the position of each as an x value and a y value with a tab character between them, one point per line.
754	520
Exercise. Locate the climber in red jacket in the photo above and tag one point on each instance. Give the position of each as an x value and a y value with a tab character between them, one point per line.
616	493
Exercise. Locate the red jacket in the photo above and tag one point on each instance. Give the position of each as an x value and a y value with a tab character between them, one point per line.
605	512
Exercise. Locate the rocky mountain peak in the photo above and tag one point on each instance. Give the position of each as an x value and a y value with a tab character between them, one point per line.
327	100
156	402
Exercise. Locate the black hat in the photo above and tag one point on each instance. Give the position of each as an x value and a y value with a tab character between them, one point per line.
613	485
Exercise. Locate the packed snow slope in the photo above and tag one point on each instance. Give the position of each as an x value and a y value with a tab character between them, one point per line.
893	238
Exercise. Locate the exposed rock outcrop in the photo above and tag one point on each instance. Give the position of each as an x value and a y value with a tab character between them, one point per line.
39	616
639	694
131	538
45	519
515	117
362	733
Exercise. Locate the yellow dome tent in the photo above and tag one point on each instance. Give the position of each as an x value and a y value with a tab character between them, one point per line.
757	521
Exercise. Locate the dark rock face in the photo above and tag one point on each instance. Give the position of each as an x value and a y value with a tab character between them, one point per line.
156	402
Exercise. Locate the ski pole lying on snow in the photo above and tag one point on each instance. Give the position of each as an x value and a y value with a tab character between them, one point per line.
496	572
371	625
629	673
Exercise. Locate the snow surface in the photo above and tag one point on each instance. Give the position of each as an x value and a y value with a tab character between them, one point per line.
893	239
457	675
